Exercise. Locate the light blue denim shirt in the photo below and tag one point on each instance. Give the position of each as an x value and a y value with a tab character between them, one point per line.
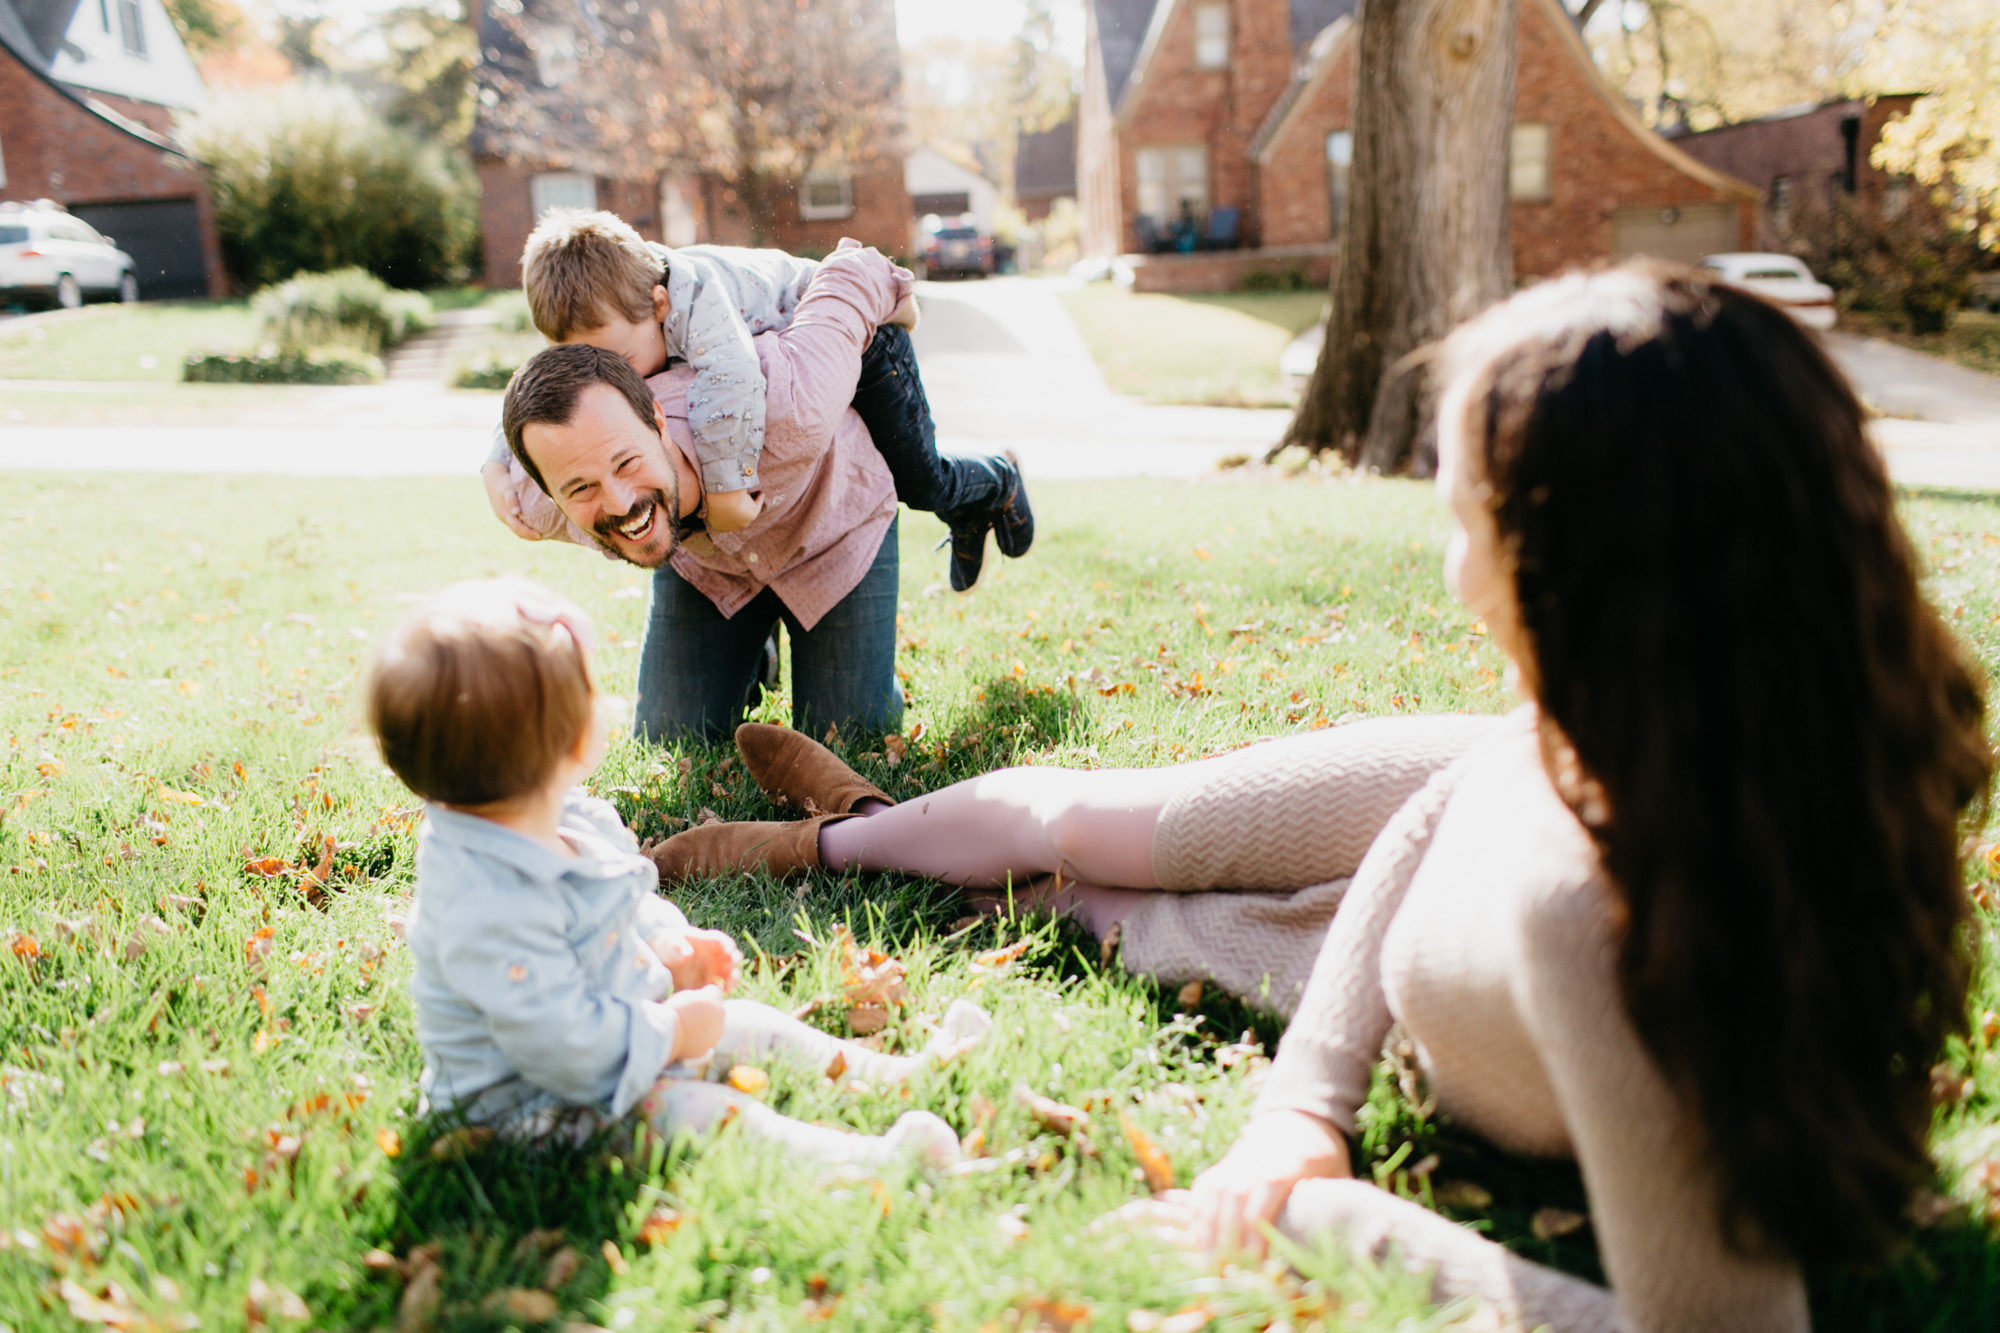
719	297
534	967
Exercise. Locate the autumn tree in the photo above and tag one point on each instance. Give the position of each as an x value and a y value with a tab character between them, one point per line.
975	96
1950	140
1424	238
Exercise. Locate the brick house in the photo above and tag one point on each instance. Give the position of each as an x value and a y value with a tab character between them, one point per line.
535	147
1045	169
1811	157
88	93
1171	85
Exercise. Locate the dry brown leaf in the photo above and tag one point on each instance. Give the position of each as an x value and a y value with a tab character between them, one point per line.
267	1302
868	976
562	1267
1948	1086
522	1305
1043	1315
660	1224
615	1259
1549	1223
1462	1194
1107	948
894	749
1189	995
417	1310
867	1019
1153	1160
1054	1116
837	1066
748	1078
991	960
457	1143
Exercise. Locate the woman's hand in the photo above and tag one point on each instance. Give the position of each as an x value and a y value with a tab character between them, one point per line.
500	494
1234	1199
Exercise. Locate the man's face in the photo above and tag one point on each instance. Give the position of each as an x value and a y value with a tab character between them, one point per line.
643	345
610	474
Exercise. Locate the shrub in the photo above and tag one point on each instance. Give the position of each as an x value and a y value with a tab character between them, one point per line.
490	369
271	364
1912	268
307	179
350	308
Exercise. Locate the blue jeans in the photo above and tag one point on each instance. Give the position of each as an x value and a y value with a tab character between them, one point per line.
889	399
698	668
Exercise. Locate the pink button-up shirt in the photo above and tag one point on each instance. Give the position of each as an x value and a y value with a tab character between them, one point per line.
828	496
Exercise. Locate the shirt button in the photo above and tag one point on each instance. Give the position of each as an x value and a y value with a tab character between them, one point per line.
611	940
752	557
749	471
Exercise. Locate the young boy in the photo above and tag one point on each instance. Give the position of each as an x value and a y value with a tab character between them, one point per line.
553	986
591	279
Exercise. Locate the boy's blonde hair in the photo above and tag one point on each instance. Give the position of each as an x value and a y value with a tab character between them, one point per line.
472	701
580	268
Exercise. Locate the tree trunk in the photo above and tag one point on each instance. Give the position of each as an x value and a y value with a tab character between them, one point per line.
1423	237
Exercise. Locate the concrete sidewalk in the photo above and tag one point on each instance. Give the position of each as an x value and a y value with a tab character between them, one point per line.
1938	423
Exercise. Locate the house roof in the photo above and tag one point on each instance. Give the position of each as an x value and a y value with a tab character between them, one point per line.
17	36
1310	18
46	22
1330	43
1129	30
1045	163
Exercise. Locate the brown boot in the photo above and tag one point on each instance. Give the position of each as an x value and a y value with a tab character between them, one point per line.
792	766
785	847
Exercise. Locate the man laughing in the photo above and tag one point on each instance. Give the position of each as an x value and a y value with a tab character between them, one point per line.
612	454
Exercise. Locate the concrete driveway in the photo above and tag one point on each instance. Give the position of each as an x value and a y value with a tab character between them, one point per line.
1938	423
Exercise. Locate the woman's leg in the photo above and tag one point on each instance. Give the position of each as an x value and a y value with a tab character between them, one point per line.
1014	824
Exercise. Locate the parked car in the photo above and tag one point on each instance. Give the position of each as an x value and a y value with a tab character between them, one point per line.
48	257
1783	280
958	249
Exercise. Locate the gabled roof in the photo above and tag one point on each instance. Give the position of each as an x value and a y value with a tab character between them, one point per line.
46	22
1310	18
17	36
1121	31
1306	79
1045	163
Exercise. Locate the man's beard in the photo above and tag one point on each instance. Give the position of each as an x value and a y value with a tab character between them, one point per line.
666	503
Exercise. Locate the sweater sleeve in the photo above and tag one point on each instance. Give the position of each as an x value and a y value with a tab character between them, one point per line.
1655	1197
1326	1056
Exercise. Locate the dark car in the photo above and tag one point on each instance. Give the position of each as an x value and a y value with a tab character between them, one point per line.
958	250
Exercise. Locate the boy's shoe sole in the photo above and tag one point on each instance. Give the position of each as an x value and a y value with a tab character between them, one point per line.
1014	518
968	550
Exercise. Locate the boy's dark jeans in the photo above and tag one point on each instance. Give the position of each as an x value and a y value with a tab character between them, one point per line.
890	401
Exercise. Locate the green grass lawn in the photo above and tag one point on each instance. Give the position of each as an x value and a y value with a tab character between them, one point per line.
207	1076
146	341
1219	350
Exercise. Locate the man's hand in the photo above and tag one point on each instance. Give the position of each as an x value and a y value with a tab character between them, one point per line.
500	494
733	511
699	958
906	314
1247	1189
697	1023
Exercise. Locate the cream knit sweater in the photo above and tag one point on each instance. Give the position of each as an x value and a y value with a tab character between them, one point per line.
1480	919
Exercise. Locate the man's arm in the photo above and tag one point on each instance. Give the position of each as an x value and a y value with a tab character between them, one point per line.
811	368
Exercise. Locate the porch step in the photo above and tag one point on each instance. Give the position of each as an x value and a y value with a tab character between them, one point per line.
433	355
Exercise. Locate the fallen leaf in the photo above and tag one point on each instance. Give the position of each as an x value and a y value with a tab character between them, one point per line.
1462	1194
1054	1116
992	960
521	1304
389	1141
660	1224
869	977
1549	1223
1055	1316
1107	948
268	1302
454	1144
1189	995
748	1078
615	1259
381	1261
562	1267
418	1309
1948	1086
1011	1226
1153	1160
894	749
25	948
866	1019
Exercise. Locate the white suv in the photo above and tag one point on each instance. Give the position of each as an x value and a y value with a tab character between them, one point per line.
49	257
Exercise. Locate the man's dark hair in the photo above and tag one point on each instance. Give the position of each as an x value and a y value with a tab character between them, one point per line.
545	391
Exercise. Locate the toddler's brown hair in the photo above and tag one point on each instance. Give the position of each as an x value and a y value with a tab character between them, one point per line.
581	268
473	701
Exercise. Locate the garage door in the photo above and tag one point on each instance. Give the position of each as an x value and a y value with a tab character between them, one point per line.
1680	234
163	236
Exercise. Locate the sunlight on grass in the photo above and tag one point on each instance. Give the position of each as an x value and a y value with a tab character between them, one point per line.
207	1087
147	341
1218	350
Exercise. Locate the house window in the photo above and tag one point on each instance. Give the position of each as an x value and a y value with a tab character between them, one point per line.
1781	203
1528	163
132	27
1211	37
827	193
1172	181
555	53
562	189
1339	167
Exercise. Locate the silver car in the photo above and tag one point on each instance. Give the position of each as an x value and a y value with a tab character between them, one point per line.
1783	280
48	257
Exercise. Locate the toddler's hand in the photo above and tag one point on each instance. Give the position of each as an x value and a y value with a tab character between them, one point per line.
733	511
698	957
697	1023
500	494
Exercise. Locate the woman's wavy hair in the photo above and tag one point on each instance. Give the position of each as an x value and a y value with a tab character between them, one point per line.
1778	734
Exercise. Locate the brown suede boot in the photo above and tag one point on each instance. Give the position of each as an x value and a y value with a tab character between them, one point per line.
792	766
785	847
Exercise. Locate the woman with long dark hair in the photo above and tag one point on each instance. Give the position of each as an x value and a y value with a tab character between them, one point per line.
1694	915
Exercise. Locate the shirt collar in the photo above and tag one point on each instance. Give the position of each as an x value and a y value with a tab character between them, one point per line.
594	858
